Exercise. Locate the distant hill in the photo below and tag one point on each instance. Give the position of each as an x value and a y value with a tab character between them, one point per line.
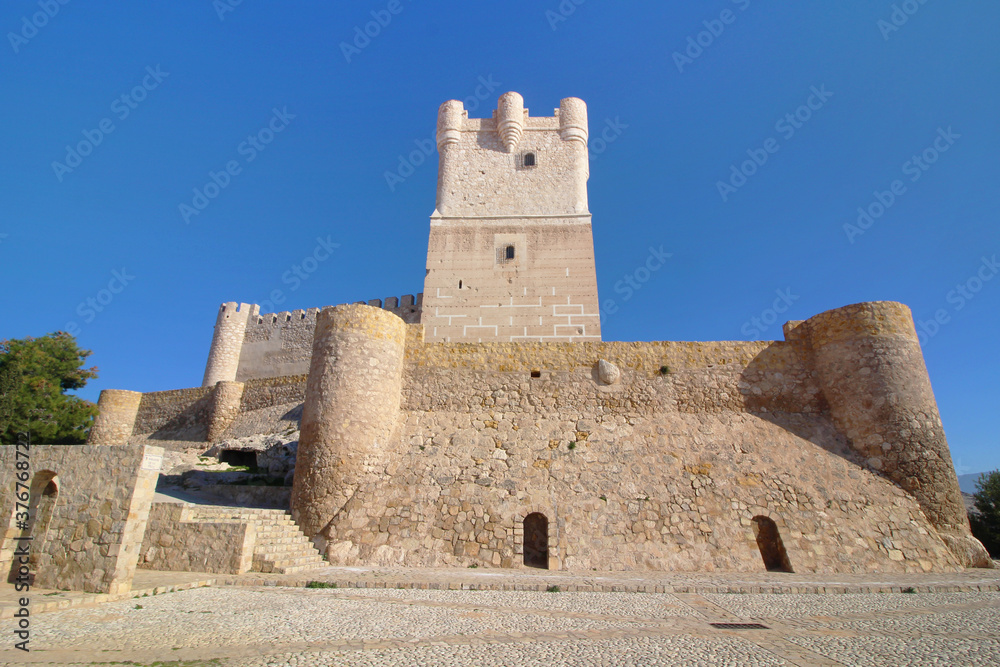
968	482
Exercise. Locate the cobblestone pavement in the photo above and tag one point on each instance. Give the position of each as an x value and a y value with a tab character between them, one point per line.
275	626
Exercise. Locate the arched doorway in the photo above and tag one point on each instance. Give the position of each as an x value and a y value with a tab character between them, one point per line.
771	548
536	541
43	494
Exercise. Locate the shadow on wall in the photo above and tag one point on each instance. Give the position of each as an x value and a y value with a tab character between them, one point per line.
190	424
792	399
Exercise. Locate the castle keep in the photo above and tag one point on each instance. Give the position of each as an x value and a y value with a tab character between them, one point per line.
486	423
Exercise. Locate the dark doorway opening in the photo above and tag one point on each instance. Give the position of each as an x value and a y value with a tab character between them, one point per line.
238	457
536	541
43	494
771	548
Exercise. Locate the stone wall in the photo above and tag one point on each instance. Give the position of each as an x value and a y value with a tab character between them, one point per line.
89	511
280	344
173	541
668	492
667	466
178	416
433	453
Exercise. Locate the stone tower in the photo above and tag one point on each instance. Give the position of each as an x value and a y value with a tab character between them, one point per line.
511	252
227	342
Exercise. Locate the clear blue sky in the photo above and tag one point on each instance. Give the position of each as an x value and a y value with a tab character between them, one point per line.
199	79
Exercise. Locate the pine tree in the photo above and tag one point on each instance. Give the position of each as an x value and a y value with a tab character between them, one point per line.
35	374
986	520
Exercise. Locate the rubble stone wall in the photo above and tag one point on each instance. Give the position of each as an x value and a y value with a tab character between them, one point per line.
174	542
89	511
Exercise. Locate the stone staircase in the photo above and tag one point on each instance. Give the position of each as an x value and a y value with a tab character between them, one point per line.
280	547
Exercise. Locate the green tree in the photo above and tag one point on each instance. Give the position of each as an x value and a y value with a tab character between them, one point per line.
35	374
986	520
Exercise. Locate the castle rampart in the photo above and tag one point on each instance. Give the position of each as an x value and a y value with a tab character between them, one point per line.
488	424
280	344
659	469
425	453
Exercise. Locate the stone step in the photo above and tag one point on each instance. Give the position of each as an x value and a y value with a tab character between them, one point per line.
255	518
290	558
302	568
280	546
287	565
211	511
283	529
286	548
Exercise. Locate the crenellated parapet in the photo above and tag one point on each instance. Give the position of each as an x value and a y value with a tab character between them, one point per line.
529	165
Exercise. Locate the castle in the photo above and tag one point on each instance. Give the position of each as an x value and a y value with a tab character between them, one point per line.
486	423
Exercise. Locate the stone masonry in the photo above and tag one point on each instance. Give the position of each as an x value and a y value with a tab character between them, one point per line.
88	507
511	253
487	424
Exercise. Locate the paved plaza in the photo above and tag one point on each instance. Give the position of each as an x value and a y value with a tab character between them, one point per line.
426	624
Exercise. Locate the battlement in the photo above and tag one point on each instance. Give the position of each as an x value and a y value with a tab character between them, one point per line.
248	344
286	316
511	119
512	164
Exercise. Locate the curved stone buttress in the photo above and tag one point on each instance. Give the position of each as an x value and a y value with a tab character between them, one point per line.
872	372
352	404
117	410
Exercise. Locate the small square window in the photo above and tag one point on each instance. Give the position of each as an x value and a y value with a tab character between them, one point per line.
505	254
529	159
